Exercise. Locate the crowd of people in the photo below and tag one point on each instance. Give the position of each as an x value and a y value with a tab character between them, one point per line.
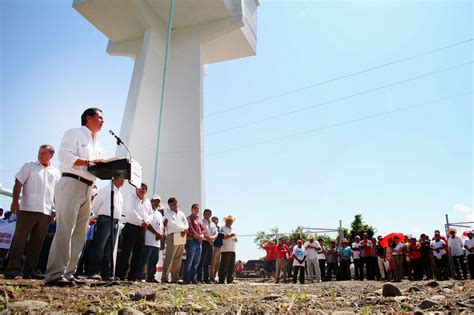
64	225
64	232
392	258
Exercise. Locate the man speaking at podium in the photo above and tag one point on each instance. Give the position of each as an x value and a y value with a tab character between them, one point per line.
79	149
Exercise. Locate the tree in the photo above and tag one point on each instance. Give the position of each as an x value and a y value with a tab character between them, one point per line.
297	234
358	227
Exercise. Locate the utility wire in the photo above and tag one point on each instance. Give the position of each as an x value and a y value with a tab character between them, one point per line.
339	78
337	99
340	124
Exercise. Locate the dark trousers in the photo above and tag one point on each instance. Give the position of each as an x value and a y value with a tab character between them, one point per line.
470	262
322	268
417	266
332	269
150	257
366	263
345	269
43	257
99	259
359	269
459	265
374	268
442	267
31	228
205	262
300	270
83	262
427	262
133	242
227	267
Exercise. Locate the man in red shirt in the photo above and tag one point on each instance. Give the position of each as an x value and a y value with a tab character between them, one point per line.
194	240
282	252
414	252
269	247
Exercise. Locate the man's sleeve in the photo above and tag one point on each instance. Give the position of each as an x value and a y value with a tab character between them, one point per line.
68	148
23	173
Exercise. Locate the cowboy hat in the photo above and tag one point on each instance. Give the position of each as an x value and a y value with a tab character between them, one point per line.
229	217
311	237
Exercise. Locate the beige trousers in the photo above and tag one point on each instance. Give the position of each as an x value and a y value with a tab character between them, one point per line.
216	261
73	205
173	259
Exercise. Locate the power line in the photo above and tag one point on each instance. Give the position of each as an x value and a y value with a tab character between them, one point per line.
340	124
337	99
338	78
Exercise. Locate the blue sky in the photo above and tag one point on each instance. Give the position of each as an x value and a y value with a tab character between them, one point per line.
402	171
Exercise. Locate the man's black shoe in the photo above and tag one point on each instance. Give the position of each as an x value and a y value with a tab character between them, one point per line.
33	276
77	280
9	276
60	282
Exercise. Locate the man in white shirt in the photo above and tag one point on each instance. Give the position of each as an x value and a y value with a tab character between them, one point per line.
210	234
151	252
79	149
358	266
469	246
137	211
312	248
456	249
176	223
439	248
99	259
37	180
227	266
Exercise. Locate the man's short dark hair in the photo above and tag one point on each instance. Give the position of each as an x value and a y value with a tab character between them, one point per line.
47	146
207	211
143	185
172	200
194	205
90	112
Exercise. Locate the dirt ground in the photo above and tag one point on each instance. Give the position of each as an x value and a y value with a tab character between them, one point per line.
240	297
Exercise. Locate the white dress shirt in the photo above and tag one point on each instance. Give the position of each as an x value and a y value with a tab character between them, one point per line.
311	253
38	187
156	221
77	144
210	228
101	204
455	245
137	211
356	253
438	244
469	243
177	221
228	245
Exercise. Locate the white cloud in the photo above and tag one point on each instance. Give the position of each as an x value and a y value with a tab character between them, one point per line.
467	211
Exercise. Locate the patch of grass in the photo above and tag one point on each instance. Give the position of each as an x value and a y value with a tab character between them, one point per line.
179	297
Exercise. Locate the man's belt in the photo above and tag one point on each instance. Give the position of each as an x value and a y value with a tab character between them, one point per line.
79	178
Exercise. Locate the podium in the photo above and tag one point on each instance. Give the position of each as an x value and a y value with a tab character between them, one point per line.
110	170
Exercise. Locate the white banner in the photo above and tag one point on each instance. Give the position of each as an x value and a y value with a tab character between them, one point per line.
6	234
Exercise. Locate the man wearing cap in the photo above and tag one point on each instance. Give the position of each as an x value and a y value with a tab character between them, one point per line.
37	179
455	247
153	234
227	266
469	246
176	222
439	248
312	247
79	149
99	260
299	255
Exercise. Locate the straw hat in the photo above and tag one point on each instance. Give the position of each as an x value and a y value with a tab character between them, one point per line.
452	229
229	217
311	237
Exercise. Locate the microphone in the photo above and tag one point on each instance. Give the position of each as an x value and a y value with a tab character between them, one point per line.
119	141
